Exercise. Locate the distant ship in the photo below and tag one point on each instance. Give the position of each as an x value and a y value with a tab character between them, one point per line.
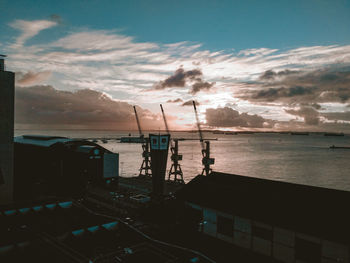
230	133
339	147
333	134
299	133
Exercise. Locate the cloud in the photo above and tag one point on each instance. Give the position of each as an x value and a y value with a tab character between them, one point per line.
84	108
178	79
318	86
181	77
271	75
201	85
30	29
190	103
227	117
263	81
31	78
273	94
337	116
175	101
310	115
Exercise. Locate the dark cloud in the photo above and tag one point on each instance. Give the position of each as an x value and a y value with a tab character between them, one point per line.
319	86
316	106
190	103
310	115
228	117
272	94
31	78
45	105
181	77
271	75
201	85
175	101
337	116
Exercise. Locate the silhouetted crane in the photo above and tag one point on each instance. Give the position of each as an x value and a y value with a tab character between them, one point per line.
175	168
145	169
206	160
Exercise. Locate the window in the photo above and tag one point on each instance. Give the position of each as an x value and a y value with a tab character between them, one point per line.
262	232
307	251
1	177
225	226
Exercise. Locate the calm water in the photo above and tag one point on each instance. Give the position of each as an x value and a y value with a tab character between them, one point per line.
299	159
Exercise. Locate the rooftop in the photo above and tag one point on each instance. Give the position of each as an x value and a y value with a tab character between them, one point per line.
312	210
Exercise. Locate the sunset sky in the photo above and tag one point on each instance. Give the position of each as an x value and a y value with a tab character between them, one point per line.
268	65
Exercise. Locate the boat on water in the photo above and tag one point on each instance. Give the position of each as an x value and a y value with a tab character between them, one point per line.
339	147
299	133
218	132
230	133
333	134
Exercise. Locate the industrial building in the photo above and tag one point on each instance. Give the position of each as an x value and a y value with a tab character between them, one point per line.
287	222
7	89
59	166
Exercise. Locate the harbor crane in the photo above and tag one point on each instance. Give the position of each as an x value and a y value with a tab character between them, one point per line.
175	169
206	160
145	169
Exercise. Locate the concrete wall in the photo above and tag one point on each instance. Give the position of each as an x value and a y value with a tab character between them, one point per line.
6	134
269	240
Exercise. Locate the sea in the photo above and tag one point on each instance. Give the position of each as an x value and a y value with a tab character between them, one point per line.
298	159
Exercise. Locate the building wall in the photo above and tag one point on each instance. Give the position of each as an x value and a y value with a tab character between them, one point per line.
6	135
282	244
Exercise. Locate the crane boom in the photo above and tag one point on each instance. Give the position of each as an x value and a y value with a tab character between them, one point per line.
138	122
165	122
198	125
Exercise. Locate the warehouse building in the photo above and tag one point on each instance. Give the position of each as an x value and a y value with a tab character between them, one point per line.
287	222
59	166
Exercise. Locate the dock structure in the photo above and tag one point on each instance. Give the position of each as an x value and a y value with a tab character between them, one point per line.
284	221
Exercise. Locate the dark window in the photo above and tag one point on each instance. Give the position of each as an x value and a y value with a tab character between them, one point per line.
1	177
262	232
307	251
154	141
163	140
225	226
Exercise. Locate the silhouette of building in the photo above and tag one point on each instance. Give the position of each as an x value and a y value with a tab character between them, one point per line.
60	166
287	222
7	87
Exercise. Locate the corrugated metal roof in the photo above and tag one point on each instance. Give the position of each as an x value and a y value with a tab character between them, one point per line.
39	140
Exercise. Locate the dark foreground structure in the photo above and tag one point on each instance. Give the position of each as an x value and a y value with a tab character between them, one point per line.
65	231
7	93
59	166
284	221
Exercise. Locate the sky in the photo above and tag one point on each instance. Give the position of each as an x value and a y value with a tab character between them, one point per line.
249	65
